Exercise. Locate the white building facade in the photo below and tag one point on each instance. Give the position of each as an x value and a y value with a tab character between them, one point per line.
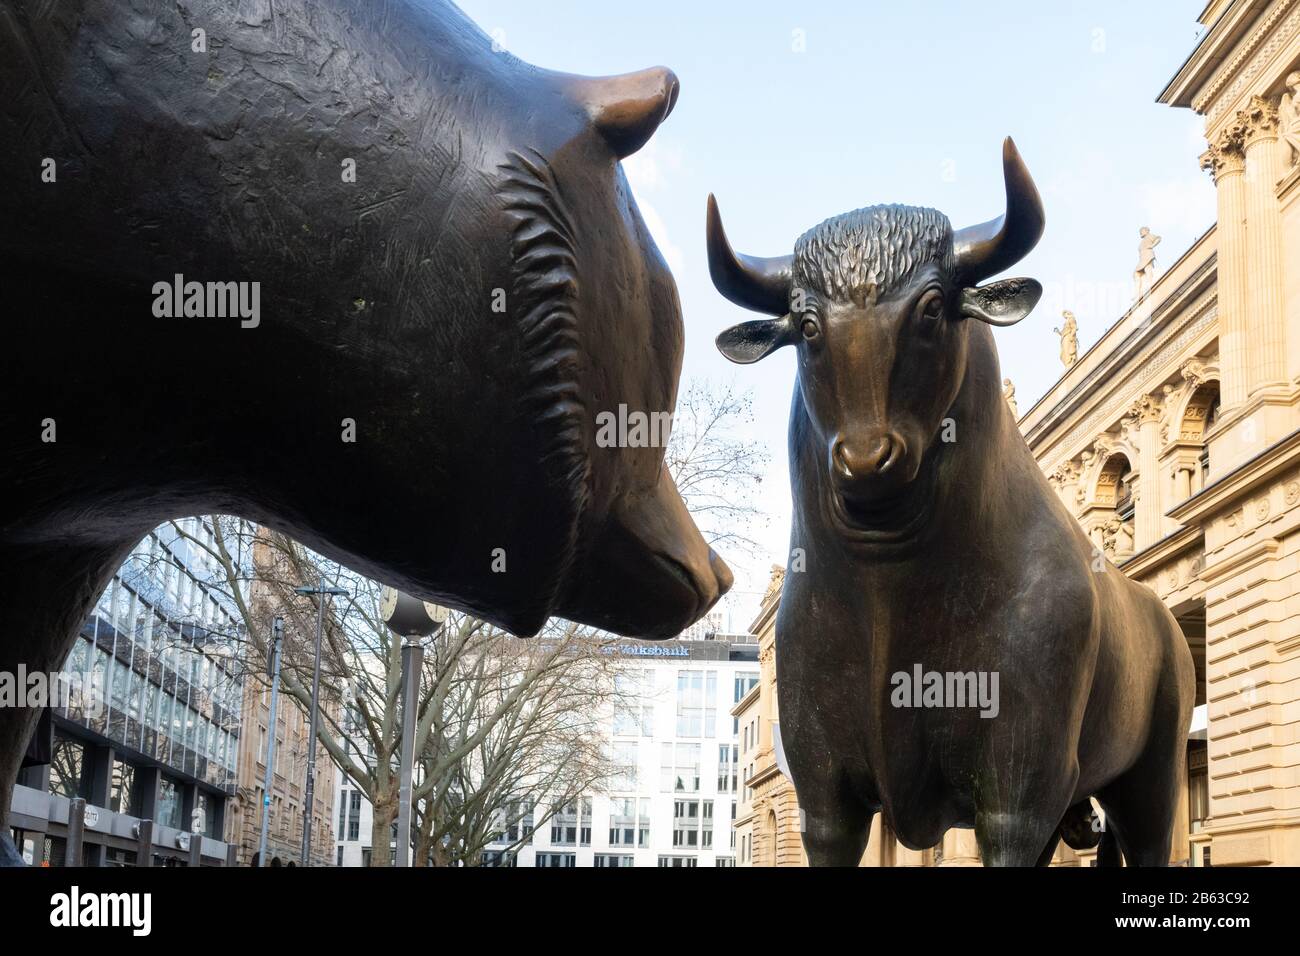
677	746
675	800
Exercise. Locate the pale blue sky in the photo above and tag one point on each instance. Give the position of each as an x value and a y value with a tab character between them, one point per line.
900	102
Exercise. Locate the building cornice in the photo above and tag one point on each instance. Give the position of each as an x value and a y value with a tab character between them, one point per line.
1226	47
751	696
1162	552
1225	491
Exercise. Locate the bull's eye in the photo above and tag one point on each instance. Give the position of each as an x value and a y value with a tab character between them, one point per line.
808	328
930	309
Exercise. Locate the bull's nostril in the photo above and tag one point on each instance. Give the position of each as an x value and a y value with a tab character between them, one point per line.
842	459
889	454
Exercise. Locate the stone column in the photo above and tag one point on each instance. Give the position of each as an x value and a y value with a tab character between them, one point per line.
1267	342
1148	518
1182	482
1225	161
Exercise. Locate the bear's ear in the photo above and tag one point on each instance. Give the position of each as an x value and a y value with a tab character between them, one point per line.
750	341
627	109
1005	302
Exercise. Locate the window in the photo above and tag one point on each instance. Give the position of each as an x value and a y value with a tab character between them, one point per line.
744	684
686	823
697	693
622	821
625	756
584	822
121	797
564	825
169	804
706	825
556	859
518	821
634	710
354	815
610	859
688	861
680	768
728	764
724	861
67	777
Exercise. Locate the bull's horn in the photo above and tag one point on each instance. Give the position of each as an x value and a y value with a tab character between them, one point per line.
989	248
626	109
752	282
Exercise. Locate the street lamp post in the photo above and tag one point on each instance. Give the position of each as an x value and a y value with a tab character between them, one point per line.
321	592
277	632
413	620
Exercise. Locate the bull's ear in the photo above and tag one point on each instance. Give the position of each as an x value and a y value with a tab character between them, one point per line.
1001	303
750	341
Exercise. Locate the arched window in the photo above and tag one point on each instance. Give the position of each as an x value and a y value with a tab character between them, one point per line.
1211	419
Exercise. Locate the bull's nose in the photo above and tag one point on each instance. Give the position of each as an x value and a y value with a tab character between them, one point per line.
874	457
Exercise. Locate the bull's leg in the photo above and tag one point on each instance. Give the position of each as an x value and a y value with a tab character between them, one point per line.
836	837
1014	839
46	591
1045	858
1024	797
836	822
1142	805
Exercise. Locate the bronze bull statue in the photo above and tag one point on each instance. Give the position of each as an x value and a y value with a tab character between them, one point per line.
346	270
935	546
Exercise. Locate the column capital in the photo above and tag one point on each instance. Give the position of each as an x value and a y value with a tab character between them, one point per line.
1259	120
1146	409
1225	154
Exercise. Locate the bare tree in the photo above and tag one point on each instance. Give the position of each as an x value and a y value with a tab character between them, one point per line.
495	714
543	752
715	466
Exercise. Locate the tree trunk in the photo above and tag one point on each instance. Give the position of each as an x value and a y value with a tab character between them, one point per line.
422	846
381	830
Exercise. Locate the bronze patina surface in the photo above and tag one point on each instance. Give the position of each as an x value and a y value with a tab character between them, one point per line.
452	282
931	543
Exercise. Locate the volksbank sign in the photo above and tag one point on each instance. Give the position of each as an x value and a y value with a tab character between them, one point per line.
646	650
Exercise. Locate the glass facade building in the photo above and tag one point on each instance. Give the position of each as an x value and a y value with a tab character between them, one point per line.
154	731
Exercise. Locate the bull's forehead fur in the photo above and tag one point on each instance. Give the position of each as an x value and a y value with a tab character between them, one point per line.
844	257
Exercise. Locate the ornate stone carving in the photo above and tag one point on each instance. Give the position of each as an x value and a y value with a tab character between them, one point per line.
1204	313
1117	538
1288	116
1226	153
1145	273
1193	372
1067	474
1069	333
1146	409
1251	55
1259	119
774	583
1261	509
1291	493
1009	393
